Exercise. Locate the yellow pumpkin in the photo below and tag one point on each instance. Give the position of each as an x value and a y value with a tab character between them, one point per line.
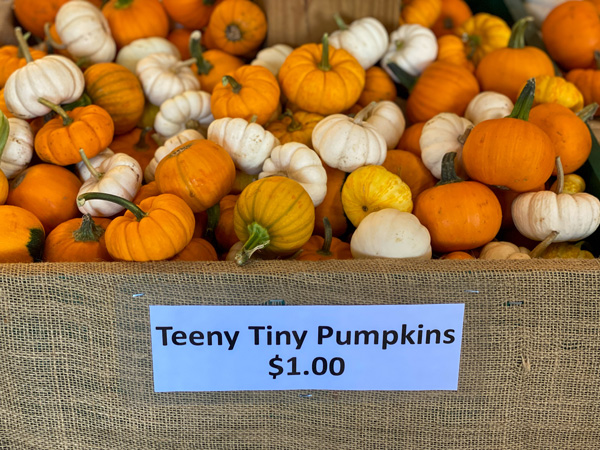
483	33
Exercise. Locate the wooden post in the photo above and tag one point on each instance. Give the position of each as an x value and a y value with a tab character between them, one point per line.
7	23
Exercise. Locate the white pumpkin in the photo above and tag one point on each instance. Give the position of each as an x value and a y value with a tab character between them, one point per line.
81	168
272	58
388	119
390	233
18	150
488	105
176	113
169	145
119	175
441	134
366	39
412	47
346	144
298	162
503	250
163	76
85	32
133	52
539	9
248	144
53	77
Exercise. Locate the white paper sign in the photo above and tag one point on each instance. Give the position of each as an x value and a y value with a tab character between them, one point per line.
235	348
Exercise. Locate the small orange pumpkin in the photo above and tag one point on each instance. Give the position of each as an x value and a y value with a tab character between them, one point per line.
457	255
138	144
193	14
420	12
21	235
410	168
295	127
409	140
135	19
180	38
587	81
378	87
451	49
34	14
453	14
12	58
197	250
224	231
319	248
331	206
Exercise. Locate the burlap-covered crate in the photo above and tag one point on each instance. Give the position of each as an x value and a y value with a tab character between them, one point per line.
76	362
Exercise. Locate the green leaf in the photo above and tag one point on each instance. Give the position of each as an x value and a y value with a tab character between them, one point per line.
4	131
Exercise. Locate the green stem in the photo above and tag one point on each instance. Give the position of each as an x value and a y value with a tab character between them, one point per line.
89	231
228	79
141	143
517	34
324	64
258	239
214	214
84	100
181	64
58	110
22	43
130	206
405	79
588	112
524	102
20	53
294	124
340	22
4	132
203	67
50	40
448	170
597	58
122	4
326	249
97	175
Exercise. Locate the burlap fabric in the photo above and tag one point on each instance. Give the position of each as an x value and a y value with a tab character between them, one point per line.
76	368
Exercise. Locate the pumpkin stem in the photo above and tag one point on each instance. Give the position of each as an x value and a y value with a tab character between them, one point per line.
89	231
50	40
228	79
97	175
517	34
340	22
363	113
26	37
524	102
22	43
84	100
58	110
254	118
294	124
328	237
122	4
449	170
404	78
258	239
202	65
560	176
213	213
542	246
182	64
463	137
130	206
4	132
233	33
141	144
324	64
472	43
588	112
448	23
192	124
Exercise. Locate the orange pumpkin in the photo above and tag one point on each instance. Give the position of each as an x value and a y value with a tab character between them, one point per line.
180	38
457	255
409	140
115	89
78	240
378	87
199	171
3	107
224	231
587	82
319	248
410	168
295	127
332	207
420	12
193	14
21	235
451	49
135	19
34	14
453	14
3	188
321	79
460	215
249	91
48	191
59	140
12	58
138	144
146	191
237	27
197	250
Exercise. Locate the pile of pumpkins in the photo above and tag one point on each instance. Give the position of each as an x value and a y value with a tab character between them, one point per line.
147	130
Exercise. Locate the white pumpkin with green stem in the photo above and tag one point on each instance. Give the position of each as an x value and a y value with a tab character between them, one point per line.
366	39
188	110
272	58
119	175
16	145
169	145
137	50
298	162
81	168
488	105
347	143
412	48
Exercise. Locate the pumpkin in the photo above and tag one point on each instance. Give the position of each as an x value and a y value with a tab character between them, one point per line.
169	145
89	127
48	191
180	38
445	132
237	27
81	168
3	107
587	82
300	163
331	206
137	50
564	250
188	110
503	250
295	127
412	48
506	197
410	169
373	188
34	14
494	152
457	255
200	172
157	229
366	39
248	144
506	69
193	14
148	190
275	215
224	231
13	58
378	87
488	105
78	240
391	233
551	89
21	235
539	9
135	19
246	92
421	12
16	145
388	120
321	79
197	250
569	134
347	144
138	144
272	57
410	139
319	248
572	184
483	33
451	49
460	215
452	15
571	34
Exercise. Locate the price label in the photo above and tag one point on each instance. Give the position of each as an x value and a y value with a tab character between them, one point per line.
381	347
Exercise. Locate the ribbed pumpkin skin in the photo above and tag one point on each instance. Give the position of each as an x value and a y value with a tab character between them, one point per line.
117	90
10	61
61	245
421	12
378	86
310	251
284	130
199	171
331	206
282	207
33	14
197	250
138	19
233	15
21	235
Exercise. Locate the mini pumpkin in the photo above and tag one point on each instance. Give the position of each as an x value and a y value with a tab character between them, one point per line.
78	240
135	19
366	39
319	248
412	48
188	110
22	235
295	127
16	145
